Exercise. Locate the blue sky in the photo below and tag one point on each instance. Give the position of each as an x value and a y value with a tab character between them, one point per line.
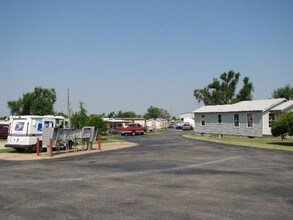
130	54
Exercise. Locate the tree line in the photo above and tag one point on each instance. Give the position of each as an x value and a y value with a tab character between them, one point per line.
41	102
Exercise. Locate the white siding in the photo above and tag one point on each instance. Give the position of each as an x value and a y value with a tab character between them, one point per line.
159	123
187	117
227	126
265	124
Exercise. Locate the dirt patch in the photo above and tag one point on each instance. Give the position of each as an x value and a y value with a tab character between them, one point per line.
63	153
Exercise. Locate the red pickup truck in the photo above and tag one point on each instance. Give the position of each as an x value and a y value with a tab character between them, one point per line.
132	129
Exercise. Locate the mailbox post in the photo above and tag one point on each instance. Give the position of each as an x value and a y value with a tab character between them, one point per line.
99	142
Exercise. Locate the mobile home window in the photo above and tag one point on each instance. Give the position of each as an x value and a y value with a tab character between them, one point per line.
249	120
203	120
219	119
236	120
272	118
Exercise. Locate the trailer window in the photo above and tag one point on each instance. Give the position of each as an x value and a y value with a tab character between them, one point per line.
236	120
249	120
19	126
203	120
272	118
219	119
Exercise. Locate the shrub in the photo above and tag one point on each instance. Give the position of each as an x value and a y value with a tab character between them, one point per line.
97	121
283	126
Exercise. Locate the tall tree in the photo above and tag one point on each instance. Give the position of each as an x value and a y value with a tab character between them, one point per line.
155	112
222	91
15	107
39	102
111	115
79	119
129	114
245	93
283	92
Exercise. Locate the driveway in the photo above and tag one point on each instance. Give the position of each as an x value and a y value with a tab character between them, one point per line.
165	177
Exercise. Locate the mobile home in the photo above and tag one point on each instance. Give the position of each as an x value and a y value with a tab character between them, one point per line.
246	118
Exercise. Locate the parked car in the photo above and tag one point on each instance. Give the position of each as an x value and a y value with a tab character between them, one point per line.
132	129
187	127
4	131
177	127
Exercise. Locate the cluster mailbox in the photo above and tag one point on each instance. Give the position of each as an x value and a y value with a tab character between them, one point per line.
68	137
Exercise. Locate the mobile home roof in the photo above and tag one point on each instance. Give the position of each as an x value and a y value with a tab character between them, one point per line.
244	106
284	106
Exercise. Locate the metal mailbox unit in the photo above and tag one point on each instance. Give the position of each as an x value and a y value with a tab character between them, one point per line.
89	134
67	138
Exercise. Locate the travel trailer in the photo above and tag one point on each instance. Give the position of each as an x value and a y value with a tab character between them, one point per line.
24	130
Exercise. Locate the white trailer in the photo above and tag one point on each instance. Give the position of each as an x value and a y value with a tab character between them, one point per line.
24	130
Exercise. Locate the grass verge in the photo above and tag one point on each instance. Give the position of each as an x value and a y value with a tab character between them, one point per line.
264	142
7	150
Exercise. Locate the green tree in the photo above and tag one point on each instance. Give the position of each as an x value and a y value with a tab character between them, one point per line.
152	112
174	118
128	114
222	91
165	114
283	92
111	115
39	102
15	107
245	93
97	121
79	119
155	112
283	126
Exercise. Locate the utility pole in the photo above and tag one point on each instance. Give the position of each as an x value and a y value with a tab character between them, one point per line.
68	109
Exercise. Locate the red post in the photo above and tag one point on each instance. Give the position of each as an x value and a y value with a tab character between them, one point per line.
99	141
51	147
38	147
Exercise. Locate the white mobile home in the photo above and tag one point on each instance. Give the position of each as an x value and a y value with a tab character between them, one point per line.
247	118
158	123
187	118
114	123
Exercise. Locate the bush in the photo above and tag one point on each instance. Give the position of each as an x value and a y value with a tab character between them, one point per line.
283	126
97	121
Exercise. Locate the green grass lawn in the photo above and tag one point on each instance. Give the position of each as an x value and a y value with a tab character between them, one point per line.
5	150
265	142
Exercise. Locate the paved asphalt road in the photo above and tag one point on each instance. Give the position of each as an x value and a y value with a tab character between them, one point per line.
165	177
